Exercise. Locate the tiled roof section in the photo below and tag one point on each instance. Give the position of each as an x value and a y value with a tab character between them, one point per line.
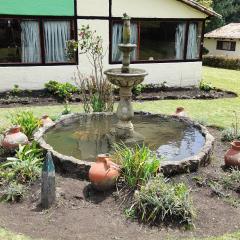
201	8
231	30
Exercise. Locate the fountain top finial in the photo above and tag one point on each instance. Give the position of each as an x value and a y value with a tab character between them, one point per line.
126	17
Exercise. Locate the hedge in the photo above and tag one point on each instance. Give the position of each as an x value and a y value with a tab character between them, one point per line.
222	62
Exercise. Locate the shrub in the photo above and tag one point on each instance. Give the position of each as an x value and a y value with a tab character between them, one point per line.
159	200
96	92
63	91
232	133
16	90
14	192
27	121
139	164
222	62
206	86
25	166
137	90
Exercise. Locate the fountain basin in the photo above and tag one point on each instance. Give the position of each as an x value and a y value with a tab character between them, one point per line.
75	132
126	80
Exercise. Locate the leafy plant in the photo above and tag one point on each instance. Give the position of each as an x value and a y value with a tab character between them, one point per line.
25	166
67	109
16	90
231	180
159	200
61	90
137	90
14	192
27	121
139	164
232	133
206	86
96	92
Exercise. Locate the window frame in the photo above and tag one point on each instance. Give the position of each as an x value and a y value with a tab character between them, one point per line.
136	20
40	20
219	45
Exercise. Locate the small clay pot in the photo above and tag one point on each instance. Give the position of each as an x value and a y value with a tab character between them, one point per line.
13	138
104	173
232	156
180	112
46	121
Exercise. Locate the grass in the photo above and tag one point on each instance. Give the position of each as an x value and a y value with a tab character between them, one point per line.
7	235
213	112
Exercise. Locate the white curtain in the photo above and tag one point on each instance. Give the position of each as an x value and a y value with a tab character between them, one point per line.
180	40
117	39
193	46
56	34
30	41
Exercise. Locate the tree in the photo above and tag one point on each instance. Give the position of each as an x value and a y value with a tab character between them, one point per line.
205	3
230	11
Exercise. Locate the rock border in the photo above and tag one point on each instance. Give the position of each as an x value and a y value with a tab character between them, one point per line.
80	168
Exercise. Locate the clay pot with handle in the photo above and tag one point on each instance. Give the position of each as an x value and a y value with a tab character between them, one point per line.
46	121
232	156
13	138
104	173
180	112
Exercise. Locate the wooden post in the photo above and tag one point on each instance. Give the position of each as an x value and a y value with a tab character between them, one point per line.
48	189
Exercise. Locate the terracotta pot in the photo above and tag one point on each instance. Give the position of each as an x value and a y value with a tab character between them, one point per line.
180	112
46	121
232	156
14	138
103	173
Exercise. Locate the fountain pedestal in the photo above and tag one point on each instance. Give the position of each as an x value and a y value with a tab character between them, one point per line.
126	78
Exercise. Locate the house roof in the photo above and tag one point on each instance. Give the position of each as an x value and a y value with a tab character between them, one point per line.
231	30
201	8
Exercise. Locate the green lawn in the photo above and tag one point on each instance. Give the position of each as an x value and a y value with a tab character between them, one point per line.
214	112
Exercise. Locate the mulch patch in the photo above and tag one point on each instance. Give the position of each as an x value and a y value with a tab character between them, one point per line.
43	97
82	213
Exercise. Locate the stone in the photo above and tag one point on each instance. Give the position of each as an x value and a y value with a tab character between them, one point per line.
48	188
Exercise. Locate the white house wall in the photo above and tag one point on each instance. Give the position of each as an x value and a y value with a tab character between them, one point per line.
93	8
154	8
211	45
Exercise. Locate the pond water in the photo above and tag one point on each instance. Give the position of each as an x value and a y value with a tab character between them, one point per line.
86	137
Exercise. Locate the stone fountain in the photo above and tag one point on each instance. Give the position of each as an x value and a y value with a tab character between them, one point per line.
76	139
126	78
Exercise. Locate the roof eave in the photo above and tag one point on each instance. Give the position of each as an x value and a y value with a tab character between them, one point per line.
201	8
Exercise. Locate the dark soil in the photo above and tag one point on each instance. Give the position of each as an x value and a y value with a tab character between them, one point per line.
82	213
43	97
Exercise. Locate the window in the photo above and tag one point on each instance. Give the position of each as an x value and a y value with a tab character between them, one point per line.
160	40
24	41
226	45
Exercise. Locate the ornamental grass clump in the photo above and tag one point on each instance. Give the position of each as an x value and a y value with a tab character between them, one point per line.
139	164
27	121
161	201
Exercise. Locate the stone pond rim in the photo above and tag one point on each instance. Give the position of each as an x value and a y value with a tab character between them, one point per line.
79	168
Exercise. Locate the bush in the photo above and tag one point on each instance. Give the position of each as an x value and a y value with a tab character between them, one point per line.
139	164
63	91
137	90
27	121
222	62
25	166
162	201
14	192
206	86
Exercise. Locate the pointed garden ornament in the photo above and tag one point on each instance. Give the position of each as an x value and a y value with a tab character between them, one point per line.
48	190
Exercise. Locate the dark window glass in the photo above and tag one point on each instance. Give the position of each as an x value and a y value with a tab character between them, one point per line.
10	41
20	41
160	41
226	45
